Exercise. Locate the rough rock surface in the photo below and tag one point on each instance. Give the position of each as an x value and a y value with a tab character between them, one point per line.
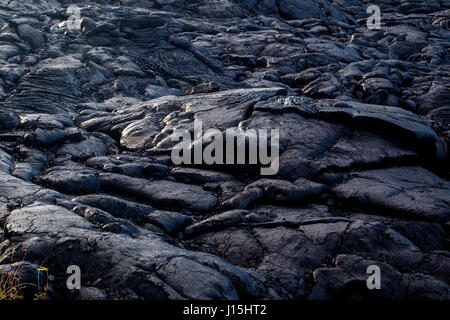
87	110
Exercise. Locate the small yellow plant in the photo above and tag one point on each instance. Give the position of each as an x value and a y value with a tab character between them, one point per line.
40	295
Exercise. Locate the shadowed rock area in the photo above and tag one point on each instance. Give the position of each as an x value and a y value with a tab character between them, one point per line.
89	105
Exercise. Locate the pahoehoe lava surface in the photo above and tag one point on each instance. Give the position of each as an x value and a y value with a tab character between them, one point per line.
86	177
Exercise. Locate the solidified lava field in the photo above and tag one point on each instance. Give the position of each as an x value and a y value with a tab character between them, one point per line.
91	93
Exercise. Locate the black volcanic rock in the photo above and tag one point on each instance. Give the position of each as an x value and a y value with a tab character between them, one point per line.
88	109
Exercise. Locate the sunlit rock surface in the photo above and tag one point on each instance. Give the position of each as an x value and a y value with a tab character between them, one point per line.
88	104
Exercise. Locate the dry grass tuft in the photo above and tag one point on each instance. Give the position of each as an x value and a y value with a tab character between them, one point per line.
11	285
